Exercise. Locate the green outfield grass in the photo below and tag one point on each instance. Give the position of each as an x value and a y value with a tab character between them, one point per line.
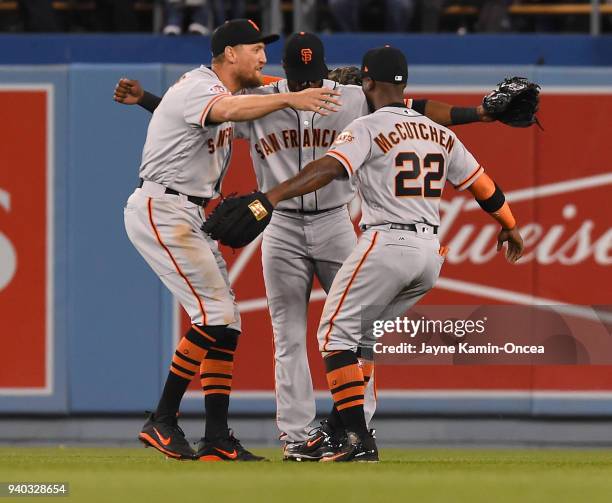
461	475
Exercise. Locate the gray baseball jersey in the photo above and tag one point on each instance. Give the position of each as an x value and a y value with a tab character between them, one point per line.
402	160
181	151
283	142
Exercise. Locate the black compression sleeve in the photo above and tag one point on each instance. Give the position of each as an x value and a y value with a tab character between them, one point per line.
494	202
419	106
149	101
464	115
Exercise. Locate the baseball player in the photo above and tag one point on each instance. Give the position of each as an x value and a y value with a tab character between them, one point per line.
401	161
309	235
184	159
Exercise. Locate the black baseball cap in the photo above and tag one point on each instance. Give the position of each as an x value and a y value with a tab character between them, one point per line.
236	32
304	58
385	64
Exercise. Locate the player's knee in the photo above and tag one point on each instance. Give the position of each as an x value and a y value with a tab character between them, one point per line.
285	347
208	336
228	340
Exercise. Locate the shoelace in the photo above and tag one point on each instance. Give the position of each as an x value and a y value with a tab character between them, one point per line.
318	429
176	428
174	425
235	442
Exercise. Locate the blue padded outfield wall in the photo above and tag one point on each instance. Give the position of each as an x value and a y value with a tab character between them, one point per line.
553	50
112	318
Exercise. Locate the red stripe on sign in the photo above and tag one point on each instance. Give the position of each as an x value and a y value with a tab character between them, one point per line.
23	248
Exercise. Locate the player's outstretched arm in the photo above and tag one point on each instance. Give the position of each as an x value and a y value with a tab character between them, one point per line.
315	175
514	102
249	107
492	200
130	92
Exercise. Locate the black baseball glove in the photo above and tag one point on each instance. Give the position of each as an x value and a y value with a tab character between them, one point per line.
346	75
236	221
514	102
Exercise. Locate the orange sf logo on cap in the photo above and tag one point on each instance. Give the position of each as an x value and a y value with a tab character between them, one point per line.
306	55
254	25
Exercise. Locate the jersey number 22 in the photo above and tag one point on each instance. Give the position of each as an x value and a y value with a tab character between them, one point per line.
409	182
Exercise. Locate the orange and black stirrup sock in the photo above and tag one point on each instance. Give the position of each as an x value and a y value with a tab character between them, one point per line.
334	420
345	381
186	360
216	373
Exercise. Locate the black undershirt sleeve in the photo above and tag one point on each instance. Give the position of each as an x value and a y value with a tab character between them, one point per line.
149	101
419	106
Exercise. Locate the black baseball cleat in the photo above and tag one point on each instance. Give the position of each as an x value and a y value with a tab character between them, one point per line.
167	438
226	448
356	449
322	441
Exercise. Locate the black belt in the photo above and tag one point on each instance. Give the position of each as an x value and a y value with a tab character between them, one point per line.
308	212
402	227
198	201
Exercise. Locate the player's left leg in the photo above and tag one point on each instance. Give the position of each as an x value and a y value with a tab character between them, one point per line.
216	375
374	275
216	371
328	438
362	274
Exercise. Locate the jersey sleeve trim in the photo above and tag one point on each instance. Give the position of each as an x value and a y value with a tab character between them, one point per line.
342	159
470	179
209	105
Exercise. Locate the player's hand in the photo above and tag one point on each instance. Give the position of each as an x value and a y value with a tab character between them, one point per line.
322	100
515	243
128	92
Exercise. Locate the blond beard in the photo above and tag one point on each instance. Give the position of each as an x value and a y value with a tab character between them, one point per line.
247	82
